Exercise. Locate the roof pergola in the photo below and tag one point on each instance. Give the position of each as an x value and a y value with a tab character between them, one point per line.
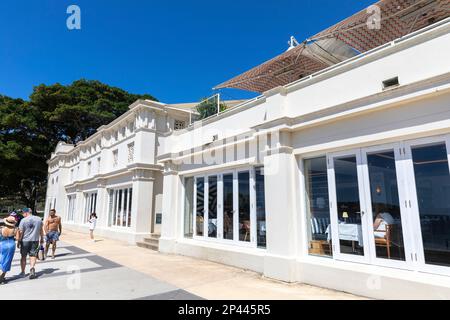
342	41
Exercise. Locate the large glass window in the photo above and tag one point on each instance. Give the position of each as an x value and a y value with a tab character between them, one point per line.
228	209
317	205
200	206
348	206
260	208
189	207
212	206
71	207
90	205
432	177
387	222
244	206
120	207
226	206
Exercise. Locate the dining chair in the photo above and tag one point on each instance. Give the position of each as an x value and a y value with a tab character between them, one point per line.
386	241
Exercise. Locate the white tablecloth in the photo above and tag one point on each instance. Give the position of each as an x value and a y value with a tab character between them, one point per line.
349	232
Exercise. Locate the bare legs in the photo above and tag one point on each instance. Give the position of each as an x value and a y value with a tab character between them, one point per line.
23	263
91	232
47	246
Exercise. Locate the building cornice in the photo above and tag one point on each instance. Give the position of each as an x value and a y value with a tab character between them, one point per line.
131	169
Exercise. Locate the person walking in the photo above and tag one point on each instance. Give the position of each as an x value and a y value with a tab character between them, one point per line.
31	237
92	225
52	230
8	234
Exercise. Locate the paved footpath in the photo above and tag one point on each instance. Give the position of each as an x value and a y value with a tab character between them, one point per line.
79	274
110	269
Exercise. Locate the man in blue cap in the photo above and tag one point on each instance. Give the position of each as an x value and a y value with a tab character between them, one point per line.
31	237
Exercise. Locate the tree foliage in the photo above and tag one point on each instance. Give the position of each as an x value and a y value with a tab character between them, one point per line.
208	107
30	130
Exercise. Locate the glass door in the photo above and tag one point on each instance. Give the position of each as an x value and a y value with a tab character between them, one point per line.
228	206
386	205
212	206
429	176
199	204
225	207
348	214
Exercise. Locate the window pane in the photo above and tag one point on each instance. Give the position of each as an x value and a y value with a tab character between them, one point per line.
317	204
260	208
130	206
387	224
111	206
348	206
189	207
200	206
433	193
125	211
212	207
228	209
119	208
244	206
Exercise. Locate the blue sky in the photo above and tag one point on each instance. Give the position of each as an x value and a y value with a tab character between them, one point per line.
175	50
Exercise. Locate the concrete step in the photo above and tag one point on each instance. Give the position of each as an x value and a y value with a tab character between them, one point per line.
151	241
147	245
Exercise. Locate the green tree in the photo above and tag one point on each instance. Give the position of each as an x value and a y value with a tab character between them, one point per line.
208	107
30	130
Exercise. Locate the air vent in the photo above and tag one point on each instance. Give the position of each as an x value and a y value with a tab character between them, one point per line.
390	83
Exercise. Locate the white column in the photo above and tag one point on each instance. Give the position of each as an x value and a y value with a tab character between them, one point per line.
280	175
170	210
142	203
102	205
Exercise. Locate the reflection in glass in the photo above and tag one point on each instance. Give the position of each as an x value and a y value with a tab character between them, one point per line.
317	205
228	209
212	207
433	194
387	224
119	208
260	208
129	207
200	206
124	211
189	207
244	206
348	206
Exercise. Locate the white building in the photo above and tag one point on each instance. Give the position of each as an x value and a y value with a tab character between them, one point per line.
290	184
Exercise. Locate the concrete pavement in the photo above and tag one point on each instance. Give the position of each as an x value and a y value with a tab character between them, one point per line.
78	274
200	278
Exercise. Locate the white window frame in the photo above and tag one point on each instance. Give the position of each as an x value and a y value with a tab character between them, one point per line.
113	213
115	162
71	207
410	216
418	253
131	152
90	204
236	242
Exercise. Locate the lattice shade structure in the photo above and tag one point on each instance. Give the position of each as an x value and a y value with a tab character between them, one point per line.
342	41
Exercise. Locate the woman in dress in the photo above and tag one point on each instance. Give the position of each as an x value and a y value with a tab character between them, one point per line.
7	245
92	225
